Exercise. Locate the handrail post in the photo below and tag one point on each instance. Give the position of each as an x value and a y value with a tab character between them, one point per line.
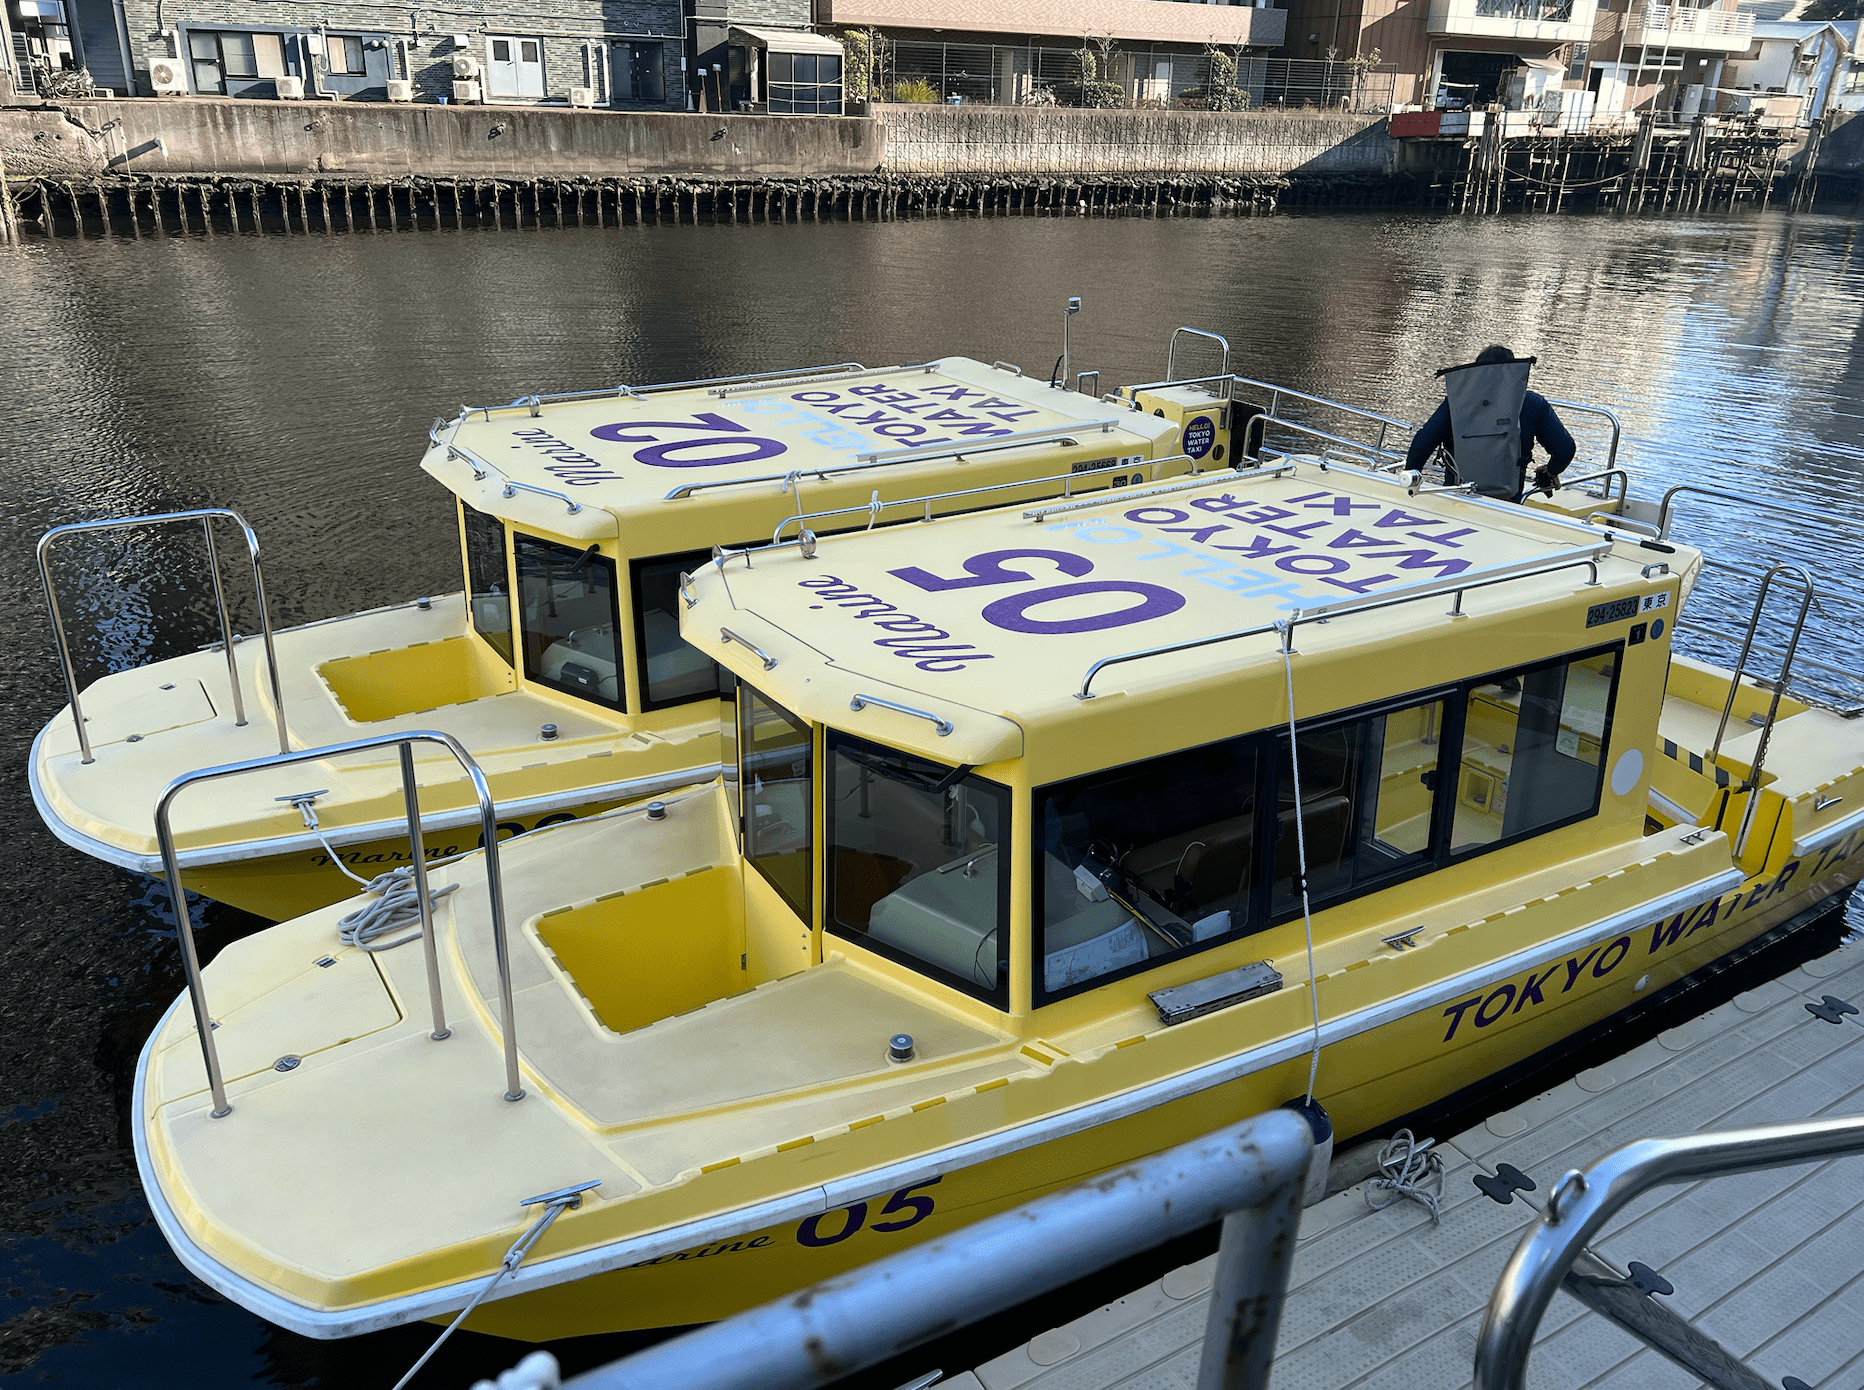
265	632
417	851
226	622
190	961
1254	1260
64	646
495	888
501	948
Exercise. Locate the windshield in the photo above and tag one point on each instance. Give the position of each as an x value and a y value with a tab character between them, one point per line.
569	619
915	868
777	785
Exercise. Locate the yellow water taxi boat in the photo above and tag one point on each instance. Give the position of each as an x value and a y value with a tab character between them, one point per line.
1060	834
561	666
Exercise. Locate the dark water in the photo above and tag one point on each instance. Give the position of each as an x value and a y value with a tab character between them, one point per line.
291	379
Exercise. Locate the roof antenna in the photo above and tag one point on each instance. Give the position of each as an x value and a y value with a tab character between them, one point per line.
1074	307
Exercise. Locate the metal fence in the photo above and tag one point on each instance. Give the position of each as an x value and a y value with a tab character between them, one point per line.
984	74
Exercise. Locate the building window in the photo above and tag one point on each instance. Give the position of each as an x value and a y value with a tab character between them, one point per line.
915	868
344	55
225	61
639	71
804	84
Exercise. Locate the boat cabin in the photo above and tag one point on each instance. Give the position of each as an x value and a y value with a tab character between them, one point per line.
1052	753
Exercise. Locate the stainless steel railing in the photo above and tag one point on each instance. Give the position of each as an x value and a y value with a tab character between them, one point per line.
1171	350
1249	1176
206	516
1474	579
1745	500
512	486
1277	393
1582	1202
536	401
488	819
1610	418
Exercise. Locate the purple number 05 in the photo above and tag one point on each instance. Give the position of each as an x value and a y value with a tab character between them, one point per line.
1012	613
854	1217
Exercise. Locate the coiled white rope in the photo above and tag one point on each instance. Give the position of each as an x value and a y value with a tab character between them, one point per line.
395	905
1411	1170
1300	844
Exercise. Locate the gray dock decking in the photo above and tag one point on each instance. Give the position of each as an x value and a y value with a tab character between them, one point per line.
1770	1264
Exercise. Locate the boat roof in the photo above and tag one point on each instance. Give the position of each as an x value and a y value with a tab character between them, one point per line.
991	622
577	464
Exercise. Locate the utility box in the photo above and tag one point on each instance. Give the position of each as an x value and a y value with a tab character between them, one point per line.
467	93
1202	417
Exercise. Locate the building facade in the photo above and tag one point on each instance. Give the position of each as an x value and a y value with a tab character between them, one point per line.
1667	59
622	54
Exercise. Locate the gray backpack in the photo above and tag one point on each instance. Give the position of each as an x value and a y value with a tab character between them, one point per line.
1485	421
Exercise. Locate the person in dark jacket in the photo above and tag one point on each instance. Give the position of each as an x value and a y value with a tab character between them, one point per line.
1539	422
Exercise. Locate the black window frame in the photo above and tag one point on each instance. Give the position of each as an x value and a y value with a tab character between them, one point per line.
689	561
589	556
1439	855
998	998
741	707
1261	746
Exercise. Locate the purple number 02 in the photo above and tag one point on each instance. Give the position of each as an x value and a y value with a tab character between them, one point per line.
1012	614
905	1200
749	448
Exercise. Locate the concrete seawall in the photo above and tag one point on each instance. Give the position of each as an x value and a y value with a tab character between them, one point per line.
273	139
1012	140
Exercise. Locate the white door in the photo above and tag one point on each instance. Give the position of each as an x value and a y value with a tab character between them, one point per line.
514	66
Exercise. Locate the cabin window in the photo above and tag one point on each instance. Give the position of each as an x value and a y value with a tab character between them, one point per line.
777	781
673	671
1367	790
916	868
1531	750
1145	861
487	579
568	619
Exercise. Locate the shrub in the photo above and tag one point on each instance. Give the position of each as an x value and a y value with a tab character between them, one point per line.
1103	95
916	90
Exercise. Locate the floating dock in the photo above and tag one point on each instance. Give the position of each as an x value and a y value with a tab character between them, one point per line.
1769	1264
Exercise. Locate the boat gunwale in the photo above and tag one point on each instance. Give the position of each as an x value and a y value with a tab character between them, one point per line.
326	1324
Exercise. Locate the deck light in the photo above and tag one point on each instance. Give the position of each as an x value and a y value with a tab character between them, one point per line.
900	1047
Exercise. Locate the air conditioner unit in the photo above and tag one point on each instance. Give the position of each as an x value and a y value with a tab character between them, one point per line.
465	66
290	88
168	77
582	96
467	93
400	90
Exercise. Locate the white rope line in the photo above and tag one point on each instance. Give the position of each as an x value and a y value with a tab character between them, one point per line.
1300	844
1411	1170
396	904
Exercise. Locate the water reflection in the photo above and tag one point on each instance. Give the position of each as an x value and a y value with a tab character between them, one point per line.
292	379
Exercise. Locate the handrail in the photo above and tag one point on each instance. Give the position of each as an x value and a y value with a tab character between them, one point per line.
1751	782
481	467
1171	349
536	399
1611	453
488	818
1390	421
205	515
829	374
725	634
1663	511
1605	476
1475	579
1548	1249
1266	420
1067	480
1054	434
861	702
1248	1175
1061	434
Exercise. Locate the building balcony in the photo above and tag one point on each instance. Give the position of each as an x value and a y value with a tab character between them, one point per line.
1154	21
1678	26
1531	21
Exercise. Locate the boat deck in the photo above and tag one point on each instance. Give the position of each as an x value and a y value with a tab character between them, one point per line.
1770	1264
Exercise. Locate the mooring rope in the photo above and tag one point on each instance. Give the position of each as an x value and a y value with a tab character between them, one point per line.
396	904
1300	844
1411	1170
